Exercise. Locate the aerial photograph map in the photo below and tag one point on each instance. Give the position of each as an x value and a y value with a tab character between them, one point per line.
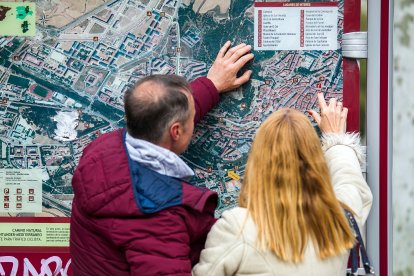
63	87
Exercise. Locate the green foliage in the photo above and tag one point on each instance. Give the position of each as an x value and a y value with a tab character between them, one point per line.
41	117
19	81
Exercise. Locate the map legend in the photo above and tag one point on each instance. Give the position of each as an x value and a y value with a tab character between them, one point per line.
17	19
296	26
21	190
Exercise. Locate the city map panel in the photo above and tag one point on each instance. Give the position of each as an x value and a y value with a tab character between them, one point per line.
63	87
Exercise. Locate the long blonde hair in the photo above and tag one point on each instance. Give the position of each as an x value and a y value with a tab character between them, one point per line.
288	192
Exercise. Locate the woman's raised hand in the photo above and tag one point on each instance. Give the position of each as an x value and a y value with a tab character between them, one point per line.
333	115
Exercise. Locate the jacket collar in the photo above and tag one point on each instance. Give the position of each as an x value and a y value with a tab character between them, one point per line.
157	158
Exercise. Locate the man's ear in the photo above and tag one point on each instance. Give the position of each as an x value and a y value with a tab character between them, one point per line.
175	131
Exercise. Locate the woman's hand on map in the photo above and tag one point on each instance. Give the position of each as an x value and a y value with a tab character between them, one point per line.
333	115
223	72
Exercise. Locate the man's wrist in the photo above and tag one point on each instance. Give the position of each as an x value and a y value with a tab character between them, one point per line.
216	86
209	83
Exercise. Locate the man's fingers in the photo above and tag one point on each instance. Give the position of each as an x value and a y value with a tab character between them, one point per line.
244	78
321	101
243	60
231	51
315	116
223	49
240	52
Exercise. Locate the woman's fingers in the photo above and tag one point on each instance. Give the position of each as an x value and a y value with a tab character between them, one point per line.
344	115
315	116
321	101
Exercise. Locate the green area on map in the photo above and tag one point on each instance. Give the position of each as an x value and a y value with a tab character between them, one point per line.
17	19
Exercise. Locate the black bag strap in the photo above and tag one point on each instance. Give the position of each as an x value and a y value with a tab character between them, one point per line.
359	246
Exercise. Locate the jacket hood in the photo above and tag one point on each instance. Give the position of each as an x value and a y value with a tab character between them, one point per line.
108	183
100	184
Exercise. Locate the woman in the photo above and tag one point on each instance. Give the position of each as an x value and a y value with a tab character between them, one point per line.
291	219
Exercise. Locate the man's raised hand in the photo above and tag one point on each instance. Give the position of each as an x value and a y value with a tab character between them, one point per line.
223	72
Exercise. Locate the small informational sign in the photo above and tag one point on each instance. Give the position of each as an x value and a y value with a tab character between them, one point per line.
17	19
21	190
296	26
34	234
233	175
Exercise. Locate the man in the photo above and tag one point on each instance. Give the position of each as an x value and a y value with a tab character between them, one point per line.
133	212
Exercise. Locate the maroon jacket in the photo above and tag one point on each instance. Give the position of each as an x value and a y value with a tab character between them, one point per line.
129	220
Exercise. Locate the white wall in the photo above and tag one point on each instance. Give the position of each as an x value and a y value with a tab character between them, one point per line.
403	139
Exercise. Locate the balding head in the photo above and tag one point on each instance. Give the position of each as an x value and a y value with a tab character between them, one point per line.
154	103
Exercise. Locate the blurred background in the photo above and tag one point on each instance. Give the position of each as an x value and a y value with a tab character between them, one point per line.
403	132
403	138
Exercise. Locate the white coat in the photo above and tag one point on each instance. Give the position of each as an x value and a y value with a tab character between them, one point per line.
231	249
